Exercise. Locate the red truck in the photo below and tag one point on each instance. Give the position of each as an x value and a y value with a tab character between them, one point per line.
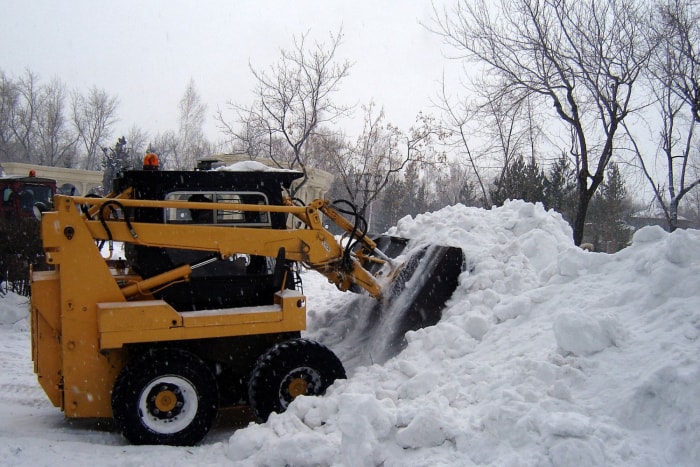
19	195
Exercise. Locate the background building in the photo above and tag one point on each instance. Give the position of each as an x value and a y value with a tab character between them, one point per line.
69	181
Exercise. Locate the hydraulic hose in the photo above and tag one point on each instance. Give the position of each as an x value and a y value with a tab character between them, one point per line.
359	224
101	216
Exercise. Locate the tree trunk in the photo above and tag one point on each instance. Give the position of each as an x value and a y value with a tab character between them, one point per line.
579	226
673	214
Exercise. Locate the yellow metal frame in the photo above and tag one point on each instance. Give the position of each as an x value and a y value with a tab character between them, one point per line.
83	314
122	323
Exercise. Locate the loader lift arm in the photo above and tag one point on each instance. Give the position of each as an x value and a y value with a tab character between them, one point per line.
312	245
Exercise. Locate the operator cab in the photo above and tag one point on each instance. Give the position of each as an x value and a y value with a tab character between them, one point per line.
243	280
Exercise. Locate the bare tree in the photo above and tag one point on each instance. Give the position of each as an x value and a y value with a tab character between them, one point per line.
365	167
167	146
137	139
674	75
192	144
293	99
9	99
23	121
93	116
581	57
490	132
323	147
33	128
56	142
37	127
510	131
680	18
458	184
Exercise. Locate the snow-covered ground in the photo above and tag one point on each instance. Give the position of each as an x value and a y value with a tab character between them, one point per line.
546	355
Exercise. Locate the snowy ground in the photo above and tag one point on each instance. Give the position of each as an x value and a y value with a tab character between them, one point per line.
546	355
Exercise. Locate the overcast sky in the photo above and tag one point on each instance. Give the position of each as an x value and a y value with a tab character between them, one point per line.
145	52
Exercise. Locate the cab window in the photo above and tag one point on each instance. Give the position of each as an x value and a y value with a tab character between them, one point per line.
217	216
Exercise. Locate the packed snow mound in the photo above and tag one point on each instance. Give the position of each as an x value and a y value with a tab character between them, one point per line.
545	355
512	246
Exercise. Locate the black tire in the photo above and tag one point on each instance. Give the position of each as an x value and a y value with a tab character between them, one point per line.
165	396
290	369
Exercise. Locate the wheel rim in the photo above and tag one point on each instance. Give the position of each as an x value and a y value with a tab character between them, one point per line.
302	381
168	404
298	387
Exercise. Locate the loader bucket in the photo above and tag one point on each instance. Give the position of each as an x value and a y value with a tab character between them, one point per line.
416	297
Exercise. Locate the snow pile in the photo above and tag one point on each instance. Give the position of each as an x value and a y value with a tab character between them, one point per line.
250	166
13	308
546	355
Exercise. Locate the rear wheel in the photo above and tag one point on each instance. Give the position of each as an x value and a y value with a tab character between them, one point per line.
165	396
298	367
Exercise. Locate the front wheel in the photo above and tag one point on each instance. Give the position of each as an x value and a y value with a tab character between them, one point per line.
298	367
165	396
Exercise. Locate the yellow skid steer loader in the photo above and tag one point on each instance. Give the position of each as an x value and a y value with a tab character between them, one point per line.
206	311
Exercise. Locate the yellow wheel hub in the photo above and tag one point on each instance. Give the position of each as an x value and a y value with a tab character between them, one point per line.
166	401
298	387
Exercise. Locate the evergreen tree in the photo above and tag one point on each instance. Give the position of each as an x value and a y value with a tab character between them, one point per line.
411	203
390	204
468	194
560	188
609	211
520	180
115	159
